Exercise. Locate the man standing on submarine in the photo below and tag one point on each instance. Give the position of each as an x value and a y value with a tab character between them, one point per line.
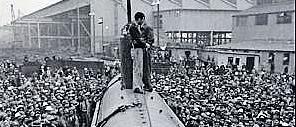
142	39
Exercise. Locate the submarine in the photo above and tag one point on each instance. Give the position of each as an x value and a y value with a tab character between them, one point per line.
123	108
120	106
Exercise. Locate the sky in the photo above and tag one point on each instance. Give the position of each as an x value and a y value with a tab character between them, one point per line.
24	6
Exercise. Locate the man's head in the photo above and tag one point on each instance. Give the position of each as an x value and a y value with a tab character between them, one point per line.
139	18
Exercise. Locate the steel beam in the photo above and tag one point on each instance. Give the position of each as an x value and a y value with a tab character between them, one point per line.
29	35
40	22
58	37
85	29
72	34
38	36
78	29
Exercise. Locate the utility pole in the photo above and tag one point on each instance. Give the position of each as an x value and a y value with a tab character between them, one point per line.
157	2
13	26
78	30
103	31
158	24
92	28
92	42
125	51
101	22
129	13
12	13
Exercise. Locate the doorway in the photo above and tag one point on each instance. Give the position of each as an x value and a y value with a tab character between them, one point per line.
250	63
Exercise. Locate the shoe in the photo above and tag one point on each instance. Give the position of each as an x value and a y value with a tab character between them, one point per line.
138	90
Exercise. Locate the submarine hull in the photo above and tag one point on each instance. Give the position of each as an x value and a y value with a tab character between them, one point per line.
144	110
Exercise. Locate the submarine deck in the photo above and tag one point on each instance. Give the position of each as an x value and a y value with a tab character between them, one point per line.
154	112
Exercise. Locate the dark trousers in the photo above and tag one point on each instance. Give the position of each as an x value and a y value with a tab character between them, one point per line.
146	68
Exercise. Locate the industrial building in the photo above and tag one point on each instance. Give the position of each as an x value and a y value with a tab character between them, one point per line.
95	25
196	24
5	36
263	38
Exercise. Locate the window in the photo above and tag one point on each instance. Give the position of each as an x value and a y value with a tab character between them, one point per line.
261	19
286	70
184	38
187	54
203	38
190	37
199	38
230	60
174	35
178	37
271	57
237	61
241	20
221	38
169	35
194	38
284	18
286	59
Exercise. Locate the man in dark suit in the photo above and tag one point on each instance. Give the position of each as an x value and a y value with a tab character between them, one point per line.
143	38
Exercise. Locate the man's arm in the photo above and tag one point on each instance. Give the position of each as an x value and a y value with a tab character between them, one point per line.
150	35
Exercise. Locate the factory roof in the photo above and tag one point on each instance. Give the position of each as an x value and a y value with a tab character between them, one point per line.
272	8
57	8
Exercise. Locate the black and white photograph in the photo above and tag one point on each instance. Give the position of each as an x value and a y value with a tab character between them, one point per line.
147	63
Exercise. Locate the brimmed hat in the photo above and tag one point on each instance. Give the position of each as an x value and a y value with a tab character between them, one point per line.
49	108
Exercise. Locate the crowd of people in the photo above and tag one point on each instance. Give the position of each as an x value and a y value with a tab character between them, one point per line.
51	97
228	96
158	55
199	95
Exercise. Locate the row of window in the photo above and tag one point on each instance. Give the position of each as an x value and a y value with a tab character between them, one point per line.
200	38
262	19
286	58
